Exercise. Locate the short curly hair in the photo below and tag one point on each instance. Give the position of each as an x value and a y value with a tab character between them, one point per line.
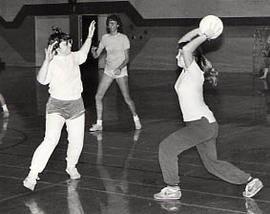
116	18
58	36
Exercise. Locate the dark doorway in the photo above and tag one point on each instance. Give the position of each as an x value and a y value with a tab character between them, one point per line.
89	70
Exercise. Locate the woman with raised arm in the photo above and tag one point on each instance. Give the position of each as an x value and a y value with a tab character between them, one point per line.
61	71
201	127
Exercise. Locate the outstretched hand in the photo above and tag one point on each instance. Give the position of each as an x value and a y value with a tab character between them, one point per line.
91	28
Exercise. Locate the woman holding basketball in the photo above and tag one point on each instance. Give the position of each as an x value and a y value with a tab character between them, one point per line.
201	128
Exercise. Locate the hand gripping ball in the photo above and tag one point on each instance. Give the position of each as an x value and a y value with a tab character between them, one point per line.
211	26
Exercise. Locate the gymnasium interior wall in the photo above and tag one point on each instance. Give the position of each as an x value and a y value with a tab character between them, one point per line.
18	43
153	46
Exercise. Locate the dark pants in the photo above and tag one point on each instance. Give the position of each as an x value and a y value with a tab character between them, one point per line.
202	134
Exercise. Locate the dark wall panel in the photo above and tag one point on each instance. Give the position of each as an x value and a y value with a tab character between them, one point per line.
18	43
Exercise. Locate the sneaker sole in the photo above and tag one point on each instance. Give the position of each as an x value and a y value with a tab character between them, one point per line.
75	178
98	130
166	199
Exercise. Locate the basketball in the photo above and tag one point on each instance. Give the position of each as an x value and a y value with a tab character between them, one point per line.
211	26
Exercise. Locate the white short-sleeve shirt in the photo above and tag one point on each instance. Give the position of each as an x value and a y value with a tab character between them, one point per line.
115	46
189	88
64	76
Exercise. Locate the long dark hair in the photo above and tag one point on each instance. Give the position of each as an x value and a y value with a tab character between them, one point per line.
116	18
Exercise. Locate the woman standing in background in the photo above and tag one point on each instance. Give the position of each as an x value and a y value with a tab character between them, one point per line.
117	47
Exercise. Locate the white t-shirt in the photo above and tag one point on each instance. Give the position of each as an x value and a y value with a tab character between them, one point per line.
189	88
64	76
115	46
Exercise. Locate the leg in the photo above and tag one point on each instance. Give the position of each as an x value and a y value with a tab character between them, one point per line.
4	106
265	73
181	140
194	133
2	100
226	171
222	169
169	149
123	85
103	86
54	125
75	129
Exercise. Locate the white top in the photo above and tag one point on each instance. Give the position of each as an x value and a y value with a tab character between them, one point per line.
64	76
115	46
189	88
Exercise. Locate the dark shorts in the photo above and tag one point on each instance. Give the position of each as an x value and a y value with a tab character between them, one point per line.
68	109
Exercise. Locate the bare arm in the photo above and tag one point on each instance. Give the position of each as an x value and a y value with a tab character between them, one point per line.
43	71
96	51
87	44
189	48
190	35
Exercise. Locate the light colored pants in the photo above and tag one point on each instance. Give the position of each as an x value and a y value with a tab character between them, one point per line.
54	125
202	134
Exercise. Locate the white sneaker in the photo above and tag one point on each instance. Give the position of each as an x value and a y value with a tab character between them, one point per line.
138	124
73	173
30	183
96	127
253	187
168	193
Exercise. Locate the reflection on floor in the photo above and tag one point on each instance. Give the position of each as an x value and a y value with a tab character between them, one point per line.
119	166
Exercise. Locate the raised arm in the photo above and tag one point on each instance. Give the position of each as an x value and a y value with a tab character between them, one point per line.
87	44
190	35
189	48
42	75
196	39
